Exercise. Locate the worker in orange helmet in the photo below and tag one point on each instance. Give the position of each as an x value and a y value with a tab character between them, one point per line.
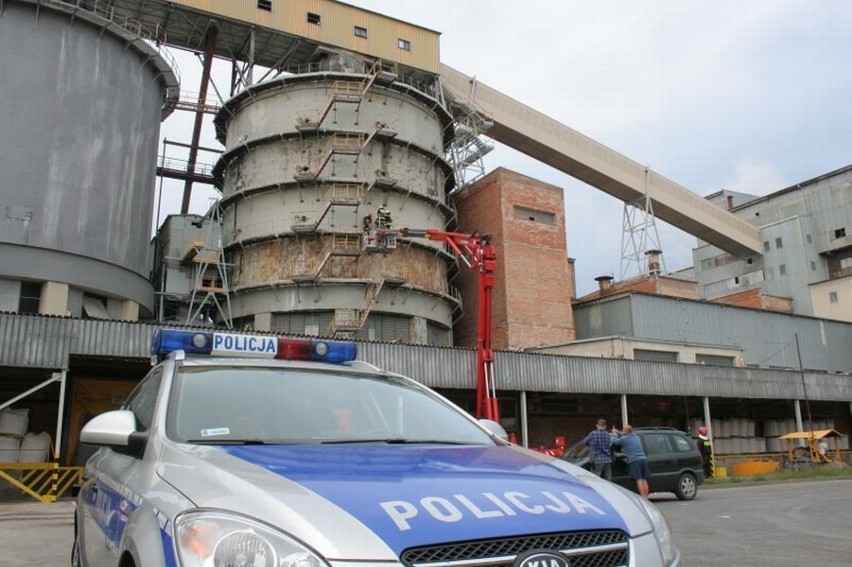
706	448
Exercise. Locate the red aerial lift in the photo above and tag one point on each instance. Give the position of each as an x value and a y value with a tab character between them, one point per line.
477	252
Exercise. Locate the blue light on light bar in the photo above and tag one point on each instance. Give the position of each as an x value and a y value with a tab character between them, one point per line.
165	341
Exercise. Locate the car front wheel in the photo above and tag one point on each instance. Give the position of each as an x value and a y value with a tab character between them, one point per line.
687	488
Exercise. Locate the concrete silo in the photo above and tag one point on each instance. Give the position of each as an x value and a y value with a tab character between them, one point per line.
307	157
83	95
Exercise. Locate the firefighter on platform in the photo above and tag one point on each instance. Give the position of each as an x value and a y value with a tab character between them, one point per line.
706	448
383	218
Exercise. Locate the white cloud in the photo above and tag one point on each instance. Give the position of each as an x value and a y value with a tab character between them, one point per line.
755	175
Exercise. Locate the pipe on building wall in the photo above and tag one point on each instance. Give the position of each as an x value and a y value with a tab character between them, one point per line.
525	438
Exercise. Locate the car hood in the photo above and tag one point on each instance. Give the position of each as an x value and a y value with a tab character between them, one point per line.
371	501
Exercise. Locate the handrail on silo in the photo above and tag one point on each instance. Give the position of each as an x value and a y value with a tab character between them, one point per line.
105	10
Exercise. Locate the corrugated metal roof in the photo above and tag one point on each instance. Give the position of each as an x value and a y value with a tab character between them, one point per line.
48	342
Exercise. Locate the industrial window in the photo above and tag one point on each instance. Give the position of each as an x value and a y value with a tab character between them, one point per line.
832	297
809	239
265	5
714	360
554	404
766	246
779	243
840	233
782	270
813	266
543	217
385	328
306	323
30	297
403	44
654	355
437	335
360	32
313	18
94	307
716	261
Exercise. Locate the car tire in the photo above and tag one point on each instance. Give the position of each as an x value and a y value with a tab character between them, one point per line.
687	487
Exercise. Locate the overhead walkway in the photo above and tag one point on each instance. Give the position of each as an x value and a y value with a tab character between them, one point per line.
548	141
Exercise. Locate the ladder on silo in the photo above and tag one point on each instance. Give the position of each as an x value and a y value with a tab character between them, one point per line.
341	143
342	245
346	323
350	92
336	195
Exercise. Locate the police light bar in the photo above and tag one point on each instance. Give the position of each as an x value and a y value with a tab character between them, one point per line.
214	343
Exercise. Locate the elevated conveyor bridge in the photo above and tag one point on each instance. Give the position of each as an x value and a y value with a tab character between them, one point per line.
548	141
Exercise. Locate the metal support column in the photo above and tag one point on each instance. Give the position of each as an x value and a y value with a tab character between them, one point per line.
708	418
624	410
797	407
525	437
209	45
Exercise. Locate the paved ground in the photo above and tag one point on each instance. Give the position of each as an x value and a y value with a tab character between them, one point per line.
34	533
759	524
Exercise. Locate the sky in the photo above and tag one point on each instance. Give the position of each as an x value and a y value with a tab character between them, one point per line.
751	96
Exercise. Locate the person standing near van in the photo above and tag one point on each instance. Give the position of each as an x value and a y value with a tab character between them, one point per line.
706	448
635	455
599	442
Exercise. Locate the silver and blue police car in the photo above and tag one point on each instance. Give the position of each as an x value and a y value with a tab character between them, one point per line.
261	451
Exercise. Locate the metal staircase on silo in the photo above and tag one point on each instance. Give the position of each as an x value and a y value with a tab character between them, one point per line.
209	273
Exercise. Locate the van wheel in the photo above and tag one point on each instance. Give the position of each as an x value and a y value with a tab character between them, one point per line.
687	488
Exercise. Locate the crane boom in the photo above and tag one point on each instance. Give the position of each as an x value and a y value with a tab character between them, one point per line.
478	254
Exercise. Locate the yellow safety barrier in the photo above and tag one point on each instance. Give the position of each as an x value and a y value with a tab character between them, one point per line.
45	482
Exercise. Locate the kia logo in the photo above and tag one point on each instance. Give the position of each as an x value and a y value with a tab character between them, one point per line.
541	558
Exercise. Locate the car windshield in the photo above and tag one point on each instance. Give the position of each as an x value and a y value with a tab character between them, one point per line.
215	405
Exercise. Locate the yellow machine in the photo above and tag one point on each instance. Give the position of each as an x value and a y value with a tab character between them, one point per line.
816	448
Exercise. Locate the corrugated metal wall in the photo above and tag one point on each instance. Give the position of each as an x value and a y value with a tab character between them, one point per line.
768	338
47	342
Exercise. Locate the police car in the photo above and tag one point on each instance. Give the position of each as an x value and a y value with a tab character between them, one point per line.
262	451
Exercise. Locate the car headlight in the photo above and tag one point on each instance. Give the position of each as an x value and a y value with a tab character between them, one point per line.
212	538
662	532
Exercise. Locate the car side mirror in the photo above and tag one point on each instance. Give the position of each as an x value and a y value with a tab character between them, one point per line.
115	429
495	429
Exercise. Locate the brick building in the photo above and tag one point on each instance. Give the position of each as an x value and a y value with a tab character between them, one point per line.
534	277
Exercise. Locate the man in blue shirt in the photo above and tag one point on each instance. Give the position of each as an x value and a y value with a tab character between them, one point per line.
599	442
635	455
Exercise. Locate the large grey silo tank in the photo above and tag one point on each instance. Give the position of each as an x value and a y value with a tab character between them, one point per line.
83	99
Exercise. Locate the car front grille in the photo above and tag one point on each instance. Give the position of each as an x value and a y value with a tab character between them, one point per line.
584	549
